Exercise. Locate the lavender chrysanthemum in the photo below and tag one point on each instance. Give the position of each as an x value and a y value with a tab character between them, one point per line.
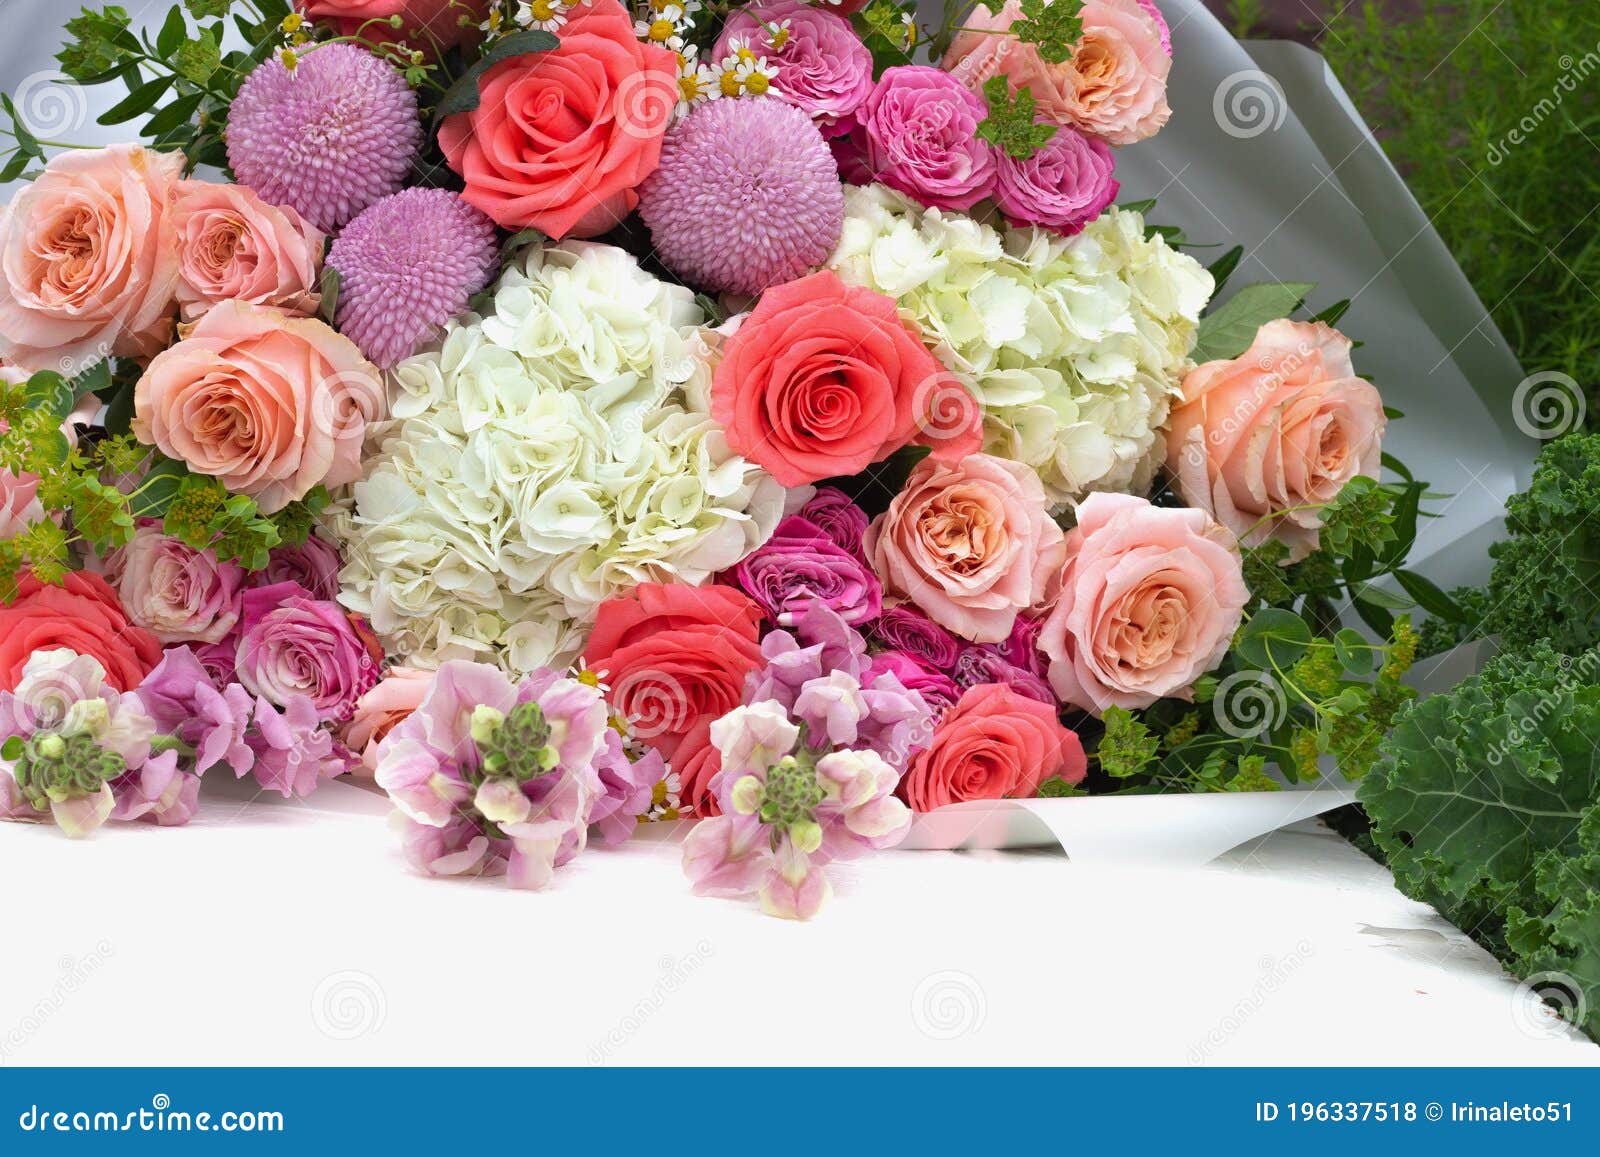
747	195
327	139
406	266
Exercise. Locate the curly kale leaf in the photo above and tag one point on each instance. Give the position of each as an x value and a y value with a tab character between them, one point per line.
1546	578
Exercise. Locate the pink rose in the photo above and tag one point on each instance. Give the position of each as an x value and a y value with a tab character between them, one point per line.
236	247
1265	440
425	24
89	259
969	542
1114	85
826	70
994	744
270	404
916	132
392	699
177	593
561	140
314	564
294	646
1063	186
1150	599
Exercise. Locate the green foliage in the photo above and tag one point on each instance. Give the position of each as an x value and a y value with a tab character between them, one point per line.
889	31
1054	28
1010	124
1228	330
1546	578
1486	109
1486	802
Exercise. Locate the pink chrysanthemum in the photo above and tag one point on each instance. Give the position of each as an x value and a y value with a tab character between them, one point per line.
747	195
327	139
406	266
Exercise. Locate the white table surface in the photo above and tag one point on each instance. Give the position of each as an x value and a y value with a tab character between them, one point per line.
292	933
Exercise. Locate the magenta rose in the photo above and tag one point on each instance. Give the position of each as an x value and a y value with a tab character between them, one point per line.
985	664
839	517
904	628
800	564
937	688
314	564
1063	186
826	70
292	646
177	593
917	132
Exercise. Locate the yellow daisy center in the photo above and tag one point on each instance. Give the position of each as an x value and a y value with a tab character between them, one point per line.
755	84
729	84
662	30
542	9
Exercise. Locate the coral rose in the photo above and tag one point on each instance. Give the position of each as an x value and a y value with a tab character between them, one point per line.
823	379
89	259
561	139
82	615
1265	440
1113	86
675	658
993	744
969	543
272	405
1150	599
236	247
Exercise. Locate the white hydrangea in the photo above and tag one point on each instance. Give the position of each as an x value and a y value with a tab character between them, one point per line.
1075	346
541	458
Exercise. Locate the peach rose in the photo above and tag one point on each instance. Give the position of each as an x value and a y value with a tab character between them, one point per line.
270	404
1113	86
970	543
89	259
425	24
1264	441
236	247
1150	599
391	699
993	744
561	139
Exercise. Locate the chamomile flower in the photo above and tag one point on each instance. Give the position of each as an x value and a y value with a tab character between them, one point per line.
697	81
777	34
666	799
666	27
545	15
589	677
755	76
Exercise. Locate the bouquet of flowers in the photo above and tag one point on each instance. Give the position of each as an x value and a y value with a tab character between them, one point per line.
569	415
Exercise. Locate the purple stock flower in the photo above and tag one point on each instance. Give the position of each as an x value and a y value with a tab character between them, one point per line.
159	792
800	565
293	753
180	695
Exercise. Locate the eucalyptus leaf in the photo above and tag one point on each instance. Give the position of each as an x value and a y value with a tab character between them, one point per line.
1228	330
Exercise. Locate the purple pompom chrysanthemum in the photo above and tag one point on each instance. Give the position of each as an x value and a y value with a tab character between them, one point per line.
406	266
747	195
327	139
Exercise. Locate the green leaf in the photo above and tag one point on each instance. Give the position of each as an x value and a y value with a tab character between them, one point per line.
1140	207
48	390
329	287
159	487
1054	27
1228	330
1429	597
1010	125
173	115
12	748
462	96
140	100
1354	653
1273	637
1222	268
1333	313
173	33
